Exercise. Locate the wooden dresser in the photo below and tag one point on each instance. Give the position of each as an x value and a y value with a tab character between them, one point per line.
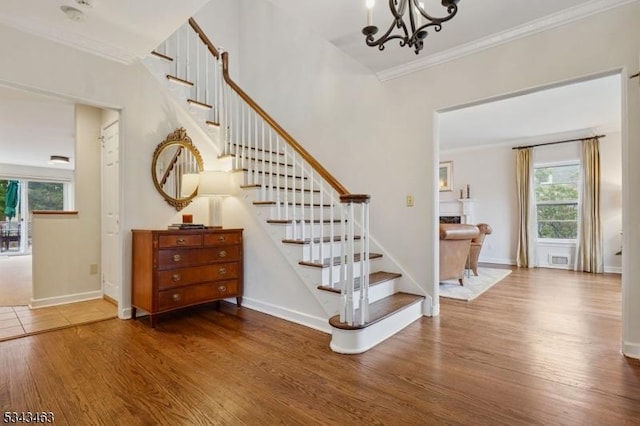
176	269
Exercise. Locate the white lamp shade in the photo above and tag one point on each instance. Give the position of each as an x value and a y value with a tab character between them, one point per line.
189	184
214	184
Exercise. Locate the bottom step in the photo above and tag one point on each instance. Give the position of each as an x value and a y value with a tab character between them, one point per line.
386	317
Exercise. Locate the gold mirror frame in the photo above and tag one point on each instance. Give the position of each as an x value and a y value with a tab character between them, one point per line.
174	159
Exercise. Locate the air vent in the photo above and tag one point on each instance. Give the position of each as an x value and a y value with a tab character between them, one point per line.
558	259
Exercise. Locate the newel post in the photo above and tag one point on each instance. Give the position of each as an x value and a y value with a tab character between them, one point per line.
355	219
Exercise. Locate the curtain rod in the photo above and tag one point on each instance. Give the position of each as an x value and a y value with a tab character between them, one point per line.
553	143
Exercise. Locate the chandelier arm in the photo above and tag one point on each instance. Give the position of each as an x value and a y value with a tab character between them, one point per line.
370	40
414	31
397	10
452	9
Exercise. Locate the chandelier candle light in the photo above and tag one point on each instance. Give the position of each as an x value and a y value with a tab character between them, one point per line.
413	32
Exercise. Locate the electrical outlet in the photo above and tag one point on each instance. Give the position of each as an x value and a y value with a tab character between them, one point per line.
93	269
409	200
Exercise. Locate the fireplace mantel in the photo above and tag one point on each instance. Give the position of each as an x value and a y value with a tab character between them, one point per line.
462	207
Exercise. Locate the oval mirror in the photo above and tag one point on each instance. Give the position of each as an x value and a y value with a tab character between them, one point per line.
175	168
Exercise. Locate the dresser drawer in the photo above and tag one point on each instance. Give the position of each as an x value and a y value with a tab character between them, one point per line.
220	271
229	253
179	277
180	240
185	296
178	258
222	238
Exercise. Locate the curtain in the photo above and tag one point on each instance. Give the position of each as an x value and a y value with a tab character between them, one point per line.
526	219
589	256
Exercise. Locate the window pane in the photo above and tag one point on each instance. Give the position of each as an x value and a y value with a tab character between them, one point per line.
557	183
555	229
558	212
46	196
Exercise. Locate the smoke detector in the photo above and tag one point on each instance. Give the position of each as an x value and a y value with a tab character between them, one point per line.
73	13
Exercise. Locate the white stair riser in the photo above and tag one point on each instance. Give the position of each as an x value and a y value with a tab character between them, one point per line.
310	253
358	341
376	292
269	194
272	211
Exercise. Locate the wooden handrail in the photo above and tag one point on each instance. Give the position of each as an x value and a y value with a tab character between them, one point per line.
266	117
204	38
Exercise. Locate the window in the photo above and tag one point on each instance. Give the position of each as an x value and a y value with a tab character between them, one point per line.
46	196
557	201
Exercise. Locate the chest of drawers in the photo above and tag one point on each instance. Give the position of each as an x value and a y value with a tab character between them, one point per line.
176	269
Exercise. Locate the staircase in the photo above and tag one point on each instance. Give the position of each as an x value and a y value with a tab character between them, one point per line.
320	227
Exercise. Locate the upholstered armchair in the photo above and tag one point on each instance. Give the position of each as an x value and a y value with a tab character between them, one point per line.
476	246
455	242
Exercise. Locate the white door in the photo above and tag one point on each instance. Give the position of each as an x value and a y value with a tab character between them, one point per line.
110	211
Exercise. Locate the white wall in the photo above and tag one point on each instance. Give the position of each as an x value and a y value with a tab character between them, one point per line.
66	249
490	172
381	138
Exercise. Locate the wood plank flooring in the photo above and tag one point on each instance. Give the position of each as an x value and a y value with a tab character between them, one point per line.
540	347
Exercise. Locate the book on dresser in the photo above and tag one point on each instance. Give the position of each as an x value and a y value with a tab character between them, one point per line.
174	269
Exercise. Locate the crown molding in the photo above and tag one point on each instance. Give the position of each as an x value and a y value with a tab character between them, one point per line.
530	28
72	39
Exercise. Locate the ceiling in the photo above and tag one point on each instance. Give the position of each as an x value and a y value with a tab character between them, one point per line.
122	30
575	110
478	24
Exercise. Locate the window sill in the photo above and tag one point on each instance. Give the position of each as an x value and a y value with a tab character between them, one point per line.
556	242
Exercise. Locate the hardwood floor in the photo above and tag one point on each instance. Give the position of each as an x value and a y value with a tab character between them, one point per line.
540	347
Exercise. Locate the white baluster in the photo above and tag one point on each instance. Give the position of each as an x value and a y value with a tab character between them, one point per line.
277	188
312	225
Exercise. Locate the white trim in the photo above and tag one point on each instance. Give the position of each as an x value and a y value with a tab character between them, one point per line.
613	269
67	298
74	40
537	26
317	323
361	340
631	350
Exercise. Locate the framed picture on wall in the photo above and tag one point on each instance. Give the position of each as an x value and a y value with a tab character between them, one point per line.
445	178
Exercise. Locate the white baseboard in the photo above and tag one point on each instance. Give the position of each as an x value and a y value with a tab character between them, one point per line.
613	269
320	324
498	261
631	350
124	313
67	298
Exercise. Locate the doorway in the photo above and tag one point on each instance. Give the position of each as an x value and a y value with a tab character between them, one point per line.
477	139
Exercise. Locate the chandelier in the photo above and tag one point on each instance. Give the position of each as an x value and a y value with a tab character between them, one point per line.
413	32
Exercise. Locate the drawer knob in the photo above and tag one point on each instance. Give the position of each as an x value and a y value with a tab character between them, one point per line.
176	297
222	271
181	241
176	277
223	253
177	258
222	288
222	238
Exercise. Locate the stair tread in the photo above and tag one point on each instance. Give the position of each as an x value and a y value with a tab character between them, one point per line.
337	260
253	148
179	80
196	102
161	55
273	203
336	238
270	173
254	159
375	278
380	310
212	123
257	185
288	221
